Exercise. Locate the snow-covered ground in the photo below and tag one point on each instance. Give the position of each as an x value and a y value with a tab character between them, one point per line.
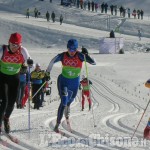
118	92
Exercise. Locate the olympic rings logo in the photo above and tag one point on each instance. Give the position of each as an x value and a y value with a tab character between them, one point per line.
70	62
11	59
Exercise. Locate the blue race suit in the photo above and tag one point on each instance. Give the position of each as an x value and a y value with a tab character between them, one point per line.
69	80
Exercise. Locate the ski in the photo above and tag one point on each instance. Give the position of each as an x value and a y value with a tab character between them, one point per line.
12	138
61	132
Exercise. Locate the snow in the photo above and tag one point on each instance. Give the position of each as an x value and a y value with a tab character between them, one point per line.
118	91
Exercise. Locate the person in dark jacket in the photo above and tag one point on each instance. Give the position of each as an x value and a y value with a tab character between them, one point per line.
47	16
112	34
53	16
37	80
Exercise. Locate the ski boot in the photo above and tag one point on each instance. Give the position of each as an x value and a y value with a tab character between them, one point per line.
56	128
6	125
82	109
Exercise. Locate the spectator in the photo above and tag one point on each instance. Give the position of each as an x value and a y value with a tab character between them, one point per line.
128	12
106	7
27	13
134	13
89	5
61	19
142	13
23	81
92	4
139	35
102	7
36	13
115	8
81	4
37	80
112	9
112	34
53	16
47	16
96	6
138	13
85	4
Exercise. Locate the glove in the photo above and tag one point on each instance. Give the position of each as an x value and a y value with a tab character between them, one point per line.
29	62
84	51
47	76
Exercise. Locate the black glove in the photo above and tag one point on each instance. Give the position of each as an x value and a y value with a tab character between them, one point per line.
84	51
47	76
30	62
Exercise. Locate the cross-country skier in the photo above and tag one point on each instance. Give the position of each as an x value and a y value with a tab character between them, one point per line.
13	56
68	81
85	84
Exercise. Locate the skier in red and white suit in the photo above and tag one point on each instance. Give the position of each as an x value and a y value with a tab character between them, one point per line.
85	83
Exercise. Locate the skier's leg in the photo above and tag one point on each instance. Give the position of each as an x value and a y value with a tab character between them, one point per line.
13	85
89	99
3	99
83	100
63	104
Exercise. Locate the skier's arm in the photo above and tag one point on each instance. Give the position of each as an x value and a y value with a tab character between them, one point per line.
25	54
89	59
53	61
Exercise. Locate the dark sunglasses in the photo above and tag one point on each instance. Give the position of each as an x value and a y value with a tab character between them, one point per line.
15	45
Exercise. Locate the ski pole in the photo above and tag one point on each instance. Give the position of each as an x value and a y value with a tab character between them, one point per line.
140	119
29	86
39	89
86	68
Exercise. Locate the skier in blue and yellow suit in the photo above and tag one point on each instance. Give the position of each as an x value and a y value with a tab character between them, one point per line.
69	80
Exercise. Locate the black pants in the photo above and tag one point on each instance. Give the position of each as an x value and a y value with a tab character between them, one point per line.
9	85
36	99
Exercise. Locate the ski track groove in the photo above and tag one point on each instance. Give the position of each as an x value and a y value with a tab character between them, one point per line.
107	120
118	96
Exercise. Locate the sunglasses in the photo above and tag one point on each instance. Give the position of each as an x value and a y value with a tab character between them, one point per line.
15	45
72	50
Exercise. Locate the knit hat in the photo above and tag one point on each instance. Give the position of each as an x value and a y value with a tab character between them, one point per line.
38	65
15	38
